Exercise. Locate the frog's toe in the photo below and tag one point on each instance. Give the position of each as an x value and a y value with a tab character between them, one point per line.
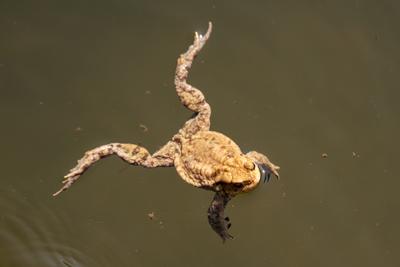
67	184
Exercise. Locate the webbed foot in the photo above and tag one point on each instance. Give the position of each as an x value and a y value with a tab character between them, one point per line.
267	170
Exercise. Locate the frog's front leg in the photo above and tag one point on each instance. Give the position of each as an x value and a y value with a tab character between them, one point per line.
130	153
267	167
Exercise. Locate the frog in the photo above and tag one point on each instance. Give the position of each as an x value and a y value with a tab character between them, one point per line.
203	158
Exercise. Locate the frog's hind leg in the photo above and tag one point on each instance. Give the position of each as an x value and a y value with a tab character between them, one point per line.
191	97
130	153
216	218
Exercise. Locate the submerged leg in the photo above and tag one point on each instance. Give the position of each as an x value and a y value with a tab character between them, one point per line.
191	97
131	153
216	218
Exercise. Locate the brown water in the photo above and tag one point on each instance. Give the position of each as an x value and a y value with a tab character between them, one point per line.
294	80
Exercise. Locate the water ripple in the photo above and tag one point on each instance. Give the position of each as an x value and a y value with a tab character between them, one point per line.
34	235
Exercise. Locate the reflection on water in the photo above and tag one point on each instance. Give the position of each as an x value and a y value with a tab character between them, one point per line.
292	79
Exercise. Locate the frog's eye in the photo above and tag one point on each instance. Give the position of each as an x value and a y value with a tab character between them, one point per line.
249	165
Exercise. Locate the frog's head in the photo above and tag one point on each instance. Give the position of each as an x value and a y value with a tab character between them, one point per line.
243	173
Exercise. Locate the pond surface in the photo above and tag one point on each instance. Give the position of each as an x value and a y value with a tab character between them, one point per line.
293	80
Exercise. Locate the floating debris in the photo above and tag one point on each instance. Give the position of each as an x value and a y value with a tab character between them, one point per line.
151	215
143	127
66	263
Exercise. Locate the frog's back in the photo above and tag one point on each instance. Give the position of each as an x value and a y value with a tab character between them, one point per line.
210	157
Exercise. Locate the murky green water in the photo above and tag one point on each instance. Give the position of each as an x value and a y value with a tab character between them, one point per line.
294	80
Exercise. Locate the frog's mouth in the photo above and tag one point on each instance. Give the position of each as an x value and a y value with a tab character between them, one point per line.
265	172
